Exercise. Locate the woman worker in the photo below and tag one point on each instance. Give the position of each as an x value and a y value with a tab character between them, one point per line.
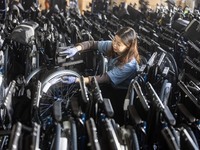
123	59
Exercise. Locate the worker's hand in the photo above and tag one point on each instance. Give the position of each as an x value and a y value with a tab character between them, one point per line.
69	52
68	79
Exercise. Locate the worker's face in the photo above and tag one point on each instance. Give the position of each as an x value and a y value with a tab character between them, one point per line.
118	46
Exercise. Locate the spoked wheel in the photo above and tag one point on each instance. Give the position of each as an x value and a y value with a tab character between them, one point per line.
53	89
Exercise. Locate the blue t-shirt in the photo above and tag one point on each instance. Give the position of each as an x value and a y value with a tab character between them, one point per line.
120	76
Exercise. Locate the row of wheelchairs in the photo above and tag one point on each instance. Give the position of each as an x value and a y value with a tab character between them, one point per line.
157	113
38	111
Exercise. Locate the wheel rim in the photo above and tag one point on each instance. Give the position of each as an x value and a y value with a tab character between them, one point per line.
57	92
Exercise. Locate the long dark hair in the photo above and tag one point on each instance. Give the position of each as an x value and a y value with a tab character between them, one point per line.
129	38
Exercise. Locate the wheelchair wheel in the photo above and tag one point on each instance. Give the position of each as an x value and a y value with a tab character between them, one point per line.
53	90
